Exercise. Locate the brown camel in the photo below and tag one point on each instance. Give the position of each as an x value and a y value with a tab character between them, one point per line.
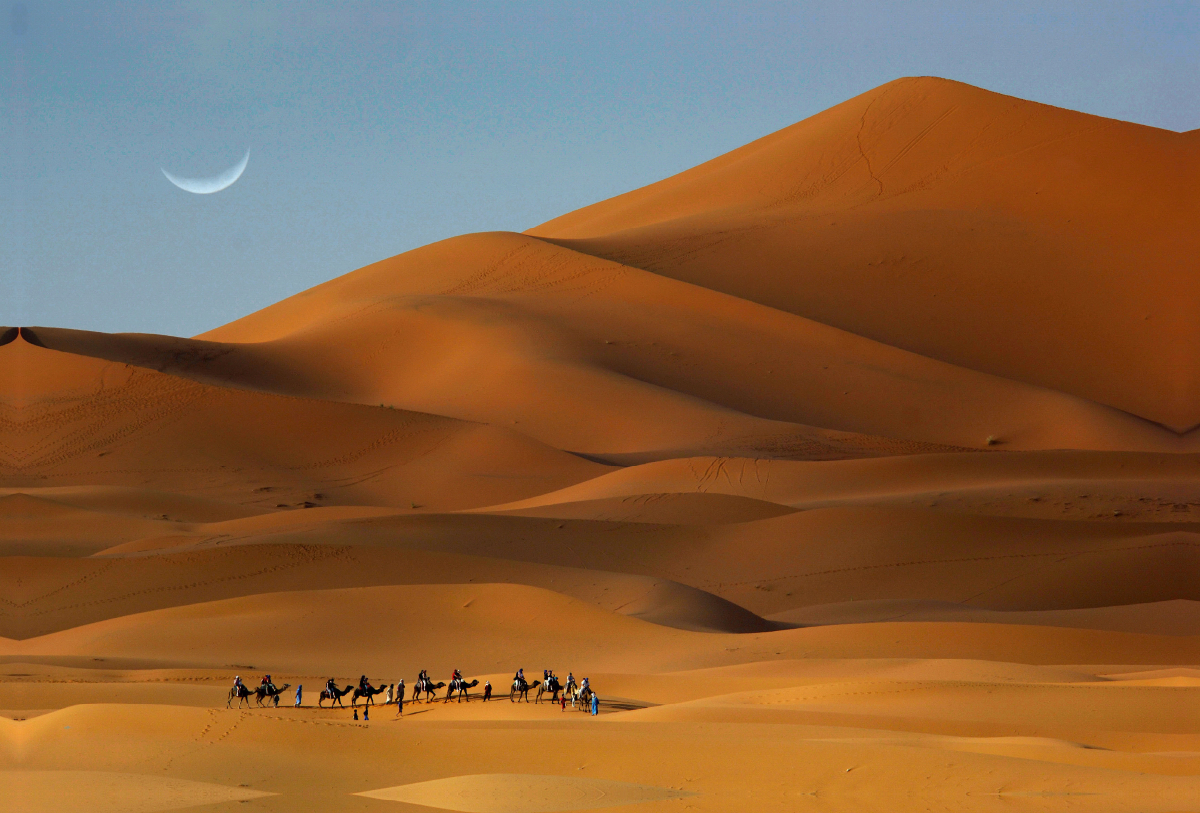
427	688
520	688
369	693
241	693
263	692
461	687
553	686
336	696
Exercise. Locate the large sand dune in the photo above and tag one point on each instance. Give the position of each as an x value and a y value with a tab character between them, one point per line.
856	468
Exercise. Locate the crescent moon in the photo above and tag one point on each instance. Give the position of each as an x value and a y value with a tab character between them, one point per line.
207	186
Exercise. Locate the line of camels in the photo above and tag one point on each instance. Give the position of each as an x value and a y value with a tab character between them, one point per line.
394	693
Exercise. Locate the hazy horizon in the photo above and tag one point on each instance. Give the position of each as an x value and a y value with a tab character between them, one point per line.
384	127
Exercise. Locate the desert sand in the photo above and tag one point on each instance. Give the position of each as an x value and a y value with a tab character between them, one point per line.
858	469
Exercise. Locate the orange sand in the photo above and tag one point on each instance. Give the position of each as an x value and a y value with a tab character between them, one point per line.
857	468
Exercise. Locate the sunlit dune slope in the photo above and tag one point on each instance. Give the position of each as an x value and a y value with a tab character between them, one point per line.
498	625
1005	236
592	356
48	594
74	420
848	563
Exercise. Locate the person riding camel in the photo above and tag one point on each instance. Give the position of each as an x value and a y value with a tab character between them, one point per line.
363	683
238	686
422	680
267	684
455	678
331	687
570	678
584	686
519	677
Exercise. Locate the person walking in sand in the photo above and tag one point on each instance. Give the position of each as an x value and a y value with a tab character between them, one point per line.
356	714
299	694
367	712
487	690
400	698
595	704
562	702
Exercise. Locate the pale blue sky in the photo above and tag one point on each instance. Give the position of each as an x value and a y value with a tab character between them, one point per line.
387	126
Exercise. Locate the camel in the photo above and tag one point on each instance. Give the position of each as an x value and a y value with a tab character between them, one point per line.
553	686
336	696
369	693
582	699
461	687
427	688
241	693
263	692
520	688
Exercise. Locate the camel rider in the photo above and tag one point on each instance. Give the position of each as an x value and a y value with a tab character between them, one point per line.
570	678
519	677
363	684
267	685
584	686
455	676
422	680
238	686
331	687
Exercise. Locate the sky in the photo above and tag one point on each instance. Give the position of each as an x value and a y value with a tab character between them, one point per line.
375	128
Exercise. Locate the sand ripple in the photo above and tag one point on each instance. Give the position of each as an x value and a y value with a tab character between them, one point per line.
104	792
522	793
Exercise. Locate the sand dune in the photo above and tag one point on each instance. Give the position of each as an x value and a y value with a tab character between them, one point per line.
856	468
935	216
512	624
602	358
522	793
108	792
1175	617
88	422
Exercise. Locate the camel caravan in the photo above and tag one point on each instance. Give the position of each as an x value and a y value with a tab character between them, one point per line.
580	695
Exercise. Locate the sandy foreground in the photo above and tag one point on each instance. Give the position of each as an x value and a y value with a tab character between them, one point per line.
855	468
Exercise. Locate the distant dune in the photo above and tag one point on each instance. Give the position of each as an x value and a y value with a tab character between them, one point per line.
871	443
